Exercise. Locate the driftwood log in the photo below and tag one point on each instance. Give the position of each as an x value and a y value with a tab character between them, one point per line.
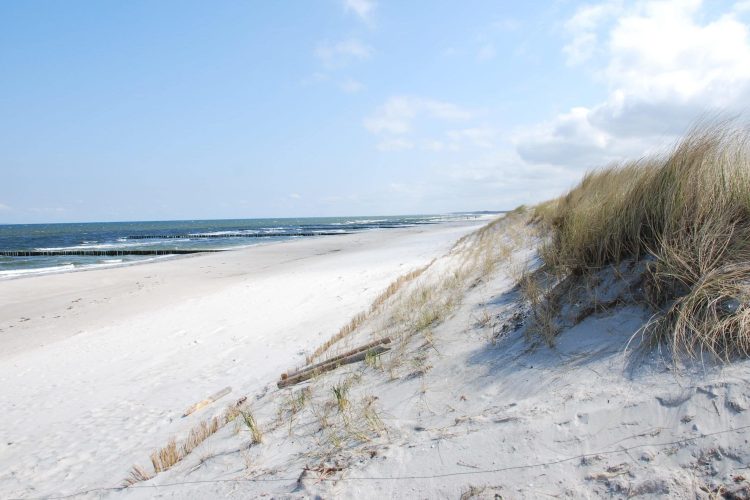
333	363
213	397
386	340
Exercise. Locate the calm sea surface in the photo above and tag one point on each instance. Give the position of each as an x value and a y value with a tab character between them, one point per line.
170	235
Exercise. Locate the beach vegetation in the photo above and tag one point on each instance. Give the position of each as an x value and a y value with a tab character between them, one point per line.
292	404
357	320
137	474
543	307
340	393
172	453
687	214
164	458
372	360
199	433
248	419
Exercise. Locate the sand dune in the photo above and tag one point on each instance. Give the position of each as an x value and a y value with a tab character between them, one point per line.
97	367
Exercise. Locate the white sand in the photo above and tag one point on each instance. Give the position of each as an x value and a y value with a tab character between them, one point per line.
463	412
468	415
97	367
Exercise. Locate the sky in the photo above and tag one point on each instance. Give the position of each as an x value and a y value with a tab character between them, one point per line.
144	110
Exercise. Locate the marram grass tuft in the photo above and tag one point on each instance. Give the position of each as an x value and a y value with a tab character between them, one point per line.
689	213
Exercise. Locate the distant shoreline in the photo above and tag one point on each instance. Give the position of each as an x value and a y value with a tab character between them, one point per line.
29	250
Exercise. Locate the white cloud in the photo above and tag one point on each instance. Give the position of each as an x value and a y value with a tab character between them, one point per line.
408	122
397	114
497	179
664	64
348	85
48	210
395	144
507	25
483	137
295	196
486	52
571	140
341	53
4	207
583	28
351	86
438	146
364	9
315	78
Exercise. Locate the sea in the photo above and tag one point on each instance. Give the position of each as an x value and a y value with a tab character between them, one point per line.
69	247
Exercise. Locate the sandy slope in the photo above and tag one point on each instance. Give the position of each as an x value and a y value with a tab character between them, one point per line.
97	367
471	408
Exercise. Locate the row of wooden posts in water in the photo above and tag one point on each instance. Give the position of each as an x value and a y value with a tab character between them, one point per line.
99	253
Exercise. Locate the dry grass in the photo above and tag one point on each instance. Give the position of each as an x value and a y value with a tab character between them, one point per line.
164	458
419	300
344	424
137	474
373	361
428	303
689	212
345	331
200	433
340	392
431	299
543	308
296	401
252	425
360	318
171	454
292	404
371	415
397	285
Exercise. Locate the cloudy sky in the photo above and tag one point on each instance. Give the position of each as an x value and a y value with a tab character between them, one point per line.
178	109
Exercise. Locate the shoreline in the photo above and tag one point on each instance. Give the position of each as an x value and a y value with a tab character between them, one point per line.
126	258
15	274
97	367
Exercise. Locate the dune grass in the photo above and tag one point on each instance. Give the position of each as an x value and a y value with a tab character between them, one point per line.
200	433
252	425
688	212
137	474
164	458
169	455
358	319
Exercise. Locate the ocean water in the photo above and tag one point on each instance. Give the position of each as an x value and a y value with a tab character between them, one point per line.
168	235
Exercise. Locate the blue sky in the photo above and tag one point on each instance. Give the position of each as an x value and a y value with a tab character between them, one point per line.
179	110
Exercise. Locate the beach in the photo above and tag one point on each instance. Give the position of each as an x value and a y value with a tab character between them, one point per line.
98	366
463	400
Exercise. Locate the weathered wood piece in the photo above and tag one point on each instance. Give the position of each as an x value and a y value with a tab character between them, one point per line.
385	340
202	404
331	365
